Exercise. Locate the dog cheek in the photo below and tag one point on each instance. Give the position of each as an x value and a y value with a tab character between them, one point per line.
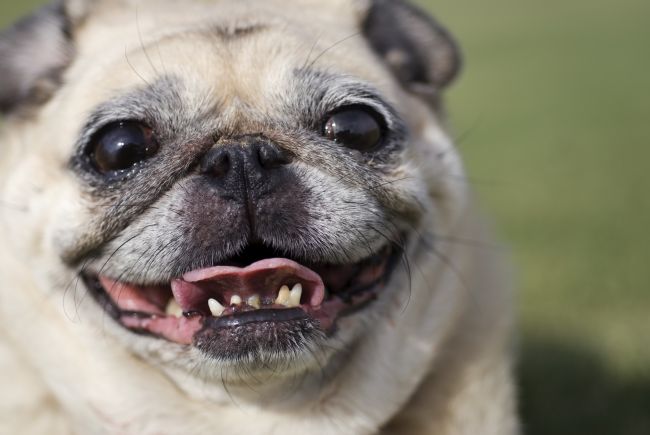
39	197
344	221
444	175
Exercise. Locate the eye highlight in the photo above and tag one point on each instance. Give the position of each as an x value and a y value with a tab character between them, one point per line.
358	128
121	145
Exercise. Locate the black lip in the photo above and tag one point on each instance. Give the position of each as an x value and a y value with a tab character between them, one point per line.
101	297
256	316
260	343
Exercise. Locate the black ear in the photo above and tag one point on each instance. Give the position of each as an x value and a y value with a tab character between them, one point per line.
421	53
34	52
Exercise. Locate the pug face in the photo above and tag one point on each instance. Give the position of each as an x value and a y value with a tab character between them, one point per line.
236	192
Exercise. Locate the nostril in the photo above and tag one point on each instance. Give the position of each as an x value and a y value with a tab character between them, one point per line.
271	156
222	166
217	164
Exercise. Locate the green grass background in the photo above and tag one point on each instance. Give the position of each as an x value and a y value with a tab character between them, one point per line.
552	116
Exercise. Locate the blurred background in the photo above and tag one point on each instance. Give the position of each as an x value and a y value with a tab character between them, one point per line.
552	115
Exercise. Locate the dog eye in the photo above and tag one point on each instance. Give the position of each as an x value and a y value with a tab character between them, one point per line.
121	145
356	128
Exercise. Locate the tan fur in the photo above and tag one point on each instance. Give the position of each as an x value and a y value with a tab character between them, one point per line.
440	365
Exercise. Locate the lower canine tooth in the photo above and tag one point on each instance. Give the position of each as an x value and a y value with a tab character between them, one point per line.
254	301
173	309
295	295
235	300
215	307
283	296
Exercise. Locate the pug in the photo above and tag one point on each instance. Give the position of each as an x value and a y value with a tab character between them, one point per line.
242	217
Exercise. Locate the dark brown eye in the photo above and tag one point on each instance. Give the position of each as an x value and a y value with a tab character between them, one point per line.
355	128
121	145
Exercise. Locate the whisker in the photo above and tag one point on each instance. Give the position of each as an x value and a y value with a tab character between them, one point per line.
126	56
311	50
331	47
142	46
73	286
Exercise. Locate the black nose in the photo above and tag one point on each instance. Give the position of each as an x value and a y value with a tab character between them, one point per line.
245	164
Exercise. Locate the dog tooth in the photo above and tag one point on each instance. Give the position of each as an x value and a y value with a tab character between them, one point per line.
295	295
215	307
283	296
235	300
254	301
173	309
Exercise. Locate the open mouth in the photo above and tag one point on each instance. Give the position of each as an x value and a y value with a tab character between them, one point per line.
252	293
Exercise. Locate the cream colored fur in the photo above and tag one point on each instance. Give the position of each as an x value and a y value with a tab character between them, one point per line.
439	363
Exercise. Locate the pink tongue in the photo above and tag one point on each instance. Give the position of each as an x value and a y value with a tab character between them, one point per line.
263	278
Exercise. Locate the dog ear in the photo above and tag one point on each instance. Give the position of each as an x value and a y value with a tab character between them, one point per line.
421	53
34	53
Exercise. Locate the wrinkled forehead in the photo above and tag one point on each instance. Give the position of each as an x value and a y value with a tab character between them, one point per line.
231	56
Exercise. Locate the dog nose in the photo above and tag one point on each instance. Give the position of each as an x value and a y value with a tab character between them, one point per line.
244	164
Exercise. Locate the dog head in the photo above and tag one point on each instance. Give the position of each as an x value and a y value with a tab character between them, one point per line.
236	192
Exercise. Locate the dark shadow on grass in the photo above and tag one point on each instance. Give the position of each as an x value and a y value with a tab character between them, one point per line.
568	390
